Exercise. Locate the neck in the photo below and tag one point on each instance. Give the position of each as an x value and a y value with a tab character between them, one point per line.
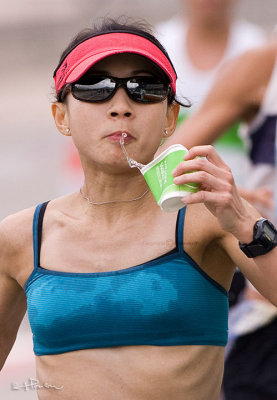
209	30
206	44
122	194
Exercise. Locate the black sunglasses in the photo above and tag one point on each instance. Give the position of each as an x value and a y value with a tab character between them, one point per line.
141	89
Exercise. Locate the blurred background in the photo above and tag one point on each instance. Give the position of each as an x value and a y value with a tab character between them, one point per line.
33	158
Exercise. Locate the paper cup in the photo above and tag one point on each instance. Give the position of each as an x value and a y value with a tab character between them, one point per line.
158	175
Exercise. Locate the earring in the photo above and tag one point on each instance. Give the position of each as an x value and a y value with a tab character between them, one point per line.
67	130
166	132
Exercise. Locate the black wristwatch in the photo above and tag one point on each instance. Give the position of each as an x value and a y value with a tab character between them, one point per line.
265	239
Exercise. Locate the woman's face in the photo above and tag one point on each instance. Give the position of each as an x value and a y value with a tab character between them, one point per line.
96	127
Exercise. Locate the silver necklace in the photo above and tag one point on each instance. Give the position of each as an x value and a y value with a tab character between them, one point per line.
94	203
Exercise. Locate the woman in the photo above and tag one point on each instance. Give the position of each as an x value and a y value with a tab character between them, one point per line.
126	301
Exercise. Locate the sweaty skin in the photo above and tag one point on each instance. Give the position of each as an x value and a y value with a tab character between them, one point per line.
131	372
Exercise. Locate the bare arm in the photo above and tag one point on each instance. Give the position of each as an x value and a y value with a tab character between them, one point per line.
13	239
12	310
236	217
261	271
236	95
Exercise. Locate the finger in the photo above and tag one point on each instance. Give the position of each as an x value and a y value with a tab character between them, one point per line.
209	152
204	180
217	199
202	164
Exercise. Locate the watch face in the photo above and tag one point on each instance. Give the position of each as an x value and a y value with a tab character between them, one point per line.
269	231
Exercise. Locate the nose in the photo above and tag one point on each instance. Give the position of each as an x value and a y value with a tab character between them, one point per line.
120	105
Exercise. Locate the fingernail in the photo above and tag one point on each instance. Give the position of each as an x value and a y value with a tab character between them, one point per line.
174	172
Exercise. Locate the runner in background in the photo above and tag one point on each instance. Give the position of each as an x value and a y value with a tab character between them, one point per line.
205	35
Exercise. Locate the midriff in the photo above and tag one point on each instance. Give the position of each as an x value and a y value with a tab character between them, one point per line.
133	373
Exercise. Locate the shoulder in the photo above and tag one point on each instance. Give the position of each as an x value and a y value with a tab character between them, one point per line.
203	224
244	79
251	60
15	227
15	236
203	238
264	55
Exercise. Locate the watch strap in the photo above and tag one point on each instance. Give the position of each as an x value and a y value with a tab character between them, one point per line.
252	250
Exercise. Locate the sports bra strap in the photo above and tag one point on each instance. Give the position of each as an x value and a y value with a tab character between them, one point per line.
37	229
38	220
180	229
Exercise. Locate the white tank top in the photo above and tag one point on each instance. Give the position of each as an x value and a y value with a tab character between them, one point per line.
192	82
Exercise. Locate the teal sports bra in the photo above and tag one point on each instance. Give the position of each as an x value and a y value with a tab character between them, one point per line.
167	301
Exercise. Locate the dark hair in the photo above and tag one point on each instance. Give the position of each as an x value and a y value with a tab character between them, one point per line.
121	24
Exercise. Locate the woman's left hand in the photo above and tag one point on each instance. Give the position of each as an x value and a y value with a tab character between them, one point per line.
217	189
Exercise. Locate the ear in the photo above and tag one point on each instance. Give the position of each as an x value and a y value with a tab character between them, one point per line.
172	118
60	115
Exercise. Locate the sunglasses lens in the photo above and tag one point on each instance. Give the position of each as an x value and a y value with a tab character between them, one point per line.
98	89
147	90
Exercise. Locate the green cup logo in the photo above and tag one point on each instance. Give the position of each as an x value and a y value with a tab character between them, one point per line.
158	175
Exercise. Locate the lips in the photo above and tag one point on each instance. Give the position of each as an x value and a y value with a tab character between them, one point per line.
116	136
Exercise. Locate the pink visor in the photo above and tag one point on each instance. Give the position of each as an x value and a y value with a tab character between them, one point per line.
94	49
